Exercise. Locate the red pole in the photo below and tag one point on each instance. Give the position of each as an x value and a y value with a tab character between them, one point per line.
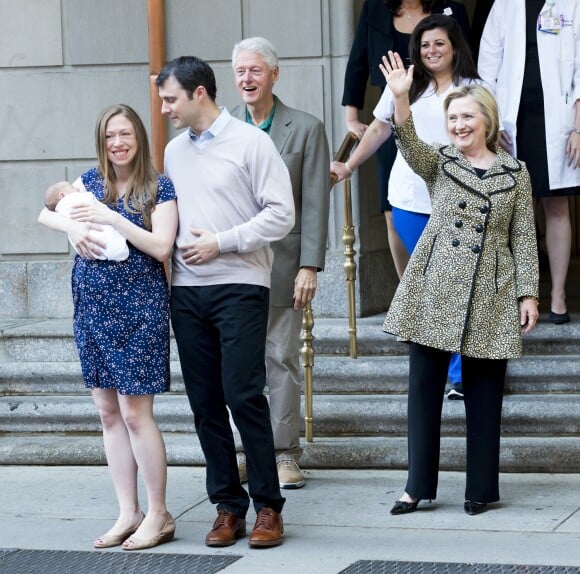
156	25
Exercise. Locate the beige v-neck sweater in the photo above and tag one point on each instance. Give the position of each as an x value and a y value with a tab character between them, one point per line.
237	187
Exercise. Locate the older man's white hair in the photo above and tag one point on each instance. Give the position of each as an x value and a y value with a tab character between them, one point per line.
257	45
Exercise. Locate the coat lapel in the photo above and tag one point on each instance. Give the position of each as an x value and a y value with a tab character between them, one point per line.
281	124
281	127
499	178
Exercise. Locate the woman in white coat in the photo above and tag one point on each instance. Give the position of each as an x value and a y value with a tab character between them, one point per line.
530	55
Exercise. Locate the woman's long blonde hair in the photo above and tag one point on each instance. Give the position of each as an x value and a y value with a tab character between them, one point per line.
141	193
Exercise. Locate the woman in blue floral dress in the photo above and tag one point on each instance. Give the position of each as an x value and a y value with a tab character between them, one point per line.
121	317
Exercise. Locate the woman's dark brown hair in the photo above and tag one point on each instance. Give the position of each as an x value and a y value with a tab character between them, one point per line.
463	65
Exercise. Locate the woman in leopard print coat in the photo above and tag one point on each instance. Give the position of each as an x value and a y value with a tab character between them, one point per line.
470	287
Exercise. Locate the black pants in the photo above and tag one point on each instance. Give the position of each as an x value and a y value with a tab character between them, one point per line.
220	332
483	383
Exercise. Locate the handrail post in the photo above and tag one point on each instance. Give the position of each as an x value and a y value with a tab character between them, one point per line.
307	351
349	238
307	354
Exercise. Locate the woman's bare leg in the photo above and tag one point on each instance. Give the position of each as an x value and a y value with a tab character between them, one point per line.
120	459
398	252
558	244
149	452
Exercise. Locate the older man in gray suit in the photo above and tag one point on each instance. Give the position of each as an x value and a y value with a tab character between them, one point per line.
301	141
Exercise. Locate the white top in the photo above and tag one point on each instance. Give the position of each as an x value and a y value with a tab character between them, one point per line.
502	60
237	186
116	245
406	189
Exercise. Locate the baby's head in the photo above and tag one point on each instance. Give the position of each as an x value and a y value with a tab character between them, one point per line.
56	192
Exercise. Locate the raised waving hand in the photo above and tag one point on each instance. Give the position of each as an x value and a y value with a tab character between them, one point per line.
399	81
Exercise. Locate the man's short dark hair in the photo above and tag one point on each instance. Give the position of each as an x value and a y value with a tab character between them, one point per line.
190	72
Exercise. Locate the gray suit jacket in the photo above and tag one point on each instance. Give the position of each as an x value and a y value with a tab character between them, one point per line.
301	140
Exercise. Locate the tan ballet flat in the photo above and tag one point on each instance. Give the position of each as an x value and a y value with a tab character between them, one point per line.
110	540
164	535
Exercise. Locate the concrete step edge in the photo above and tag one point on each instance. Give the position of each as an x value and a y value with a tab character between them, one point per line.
518	454
325	367
333	414
52	339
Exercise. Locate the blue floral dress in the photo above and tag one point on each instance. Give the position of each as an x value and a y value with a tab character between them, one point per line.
121	312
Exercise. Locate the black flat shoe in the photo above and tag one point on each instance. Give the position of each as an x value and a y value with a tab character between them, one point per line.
403	507
559	318
473	508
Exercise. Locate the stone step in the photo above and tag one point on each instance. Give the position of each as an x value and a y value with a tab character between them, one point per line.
331	338
388	374
52	340
334	415
518	454
332	375
57	378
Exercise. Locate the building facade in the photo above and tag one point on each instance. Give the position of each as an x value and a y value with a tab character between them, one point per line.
62	61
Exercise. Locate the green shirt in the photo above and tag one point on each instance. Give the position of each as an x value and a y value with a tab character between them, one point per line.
266	125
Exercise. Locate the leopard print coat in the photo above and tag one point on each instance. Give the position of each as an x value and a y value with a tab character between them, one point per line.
476	257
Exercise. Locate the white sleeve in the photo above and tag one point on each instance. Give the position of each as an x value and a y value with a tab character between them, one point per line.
491	47
385	108
576	24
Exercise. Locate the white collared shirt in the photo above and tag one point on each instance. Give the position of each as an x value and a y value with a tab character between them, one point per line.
206	136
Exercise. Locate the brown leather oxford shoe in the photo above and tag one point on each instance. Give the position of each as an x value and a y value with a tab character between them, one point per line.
268	529
226	529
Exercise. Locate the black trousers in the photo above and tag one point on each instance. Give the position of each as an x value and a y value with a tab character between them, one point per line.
220	332
483	384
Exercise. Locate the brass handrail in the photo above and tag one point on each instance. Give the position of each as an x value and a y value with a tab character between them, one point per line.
307	354
349	238
307	351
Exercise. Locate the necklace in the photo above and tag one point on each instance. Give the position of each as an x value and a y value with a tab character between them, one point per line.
411	14
411	11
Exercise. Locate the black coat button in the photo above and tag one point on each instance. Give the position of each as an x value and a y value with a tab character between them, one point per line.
455	243
458	223
462	204
476	249
479	228
484	209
